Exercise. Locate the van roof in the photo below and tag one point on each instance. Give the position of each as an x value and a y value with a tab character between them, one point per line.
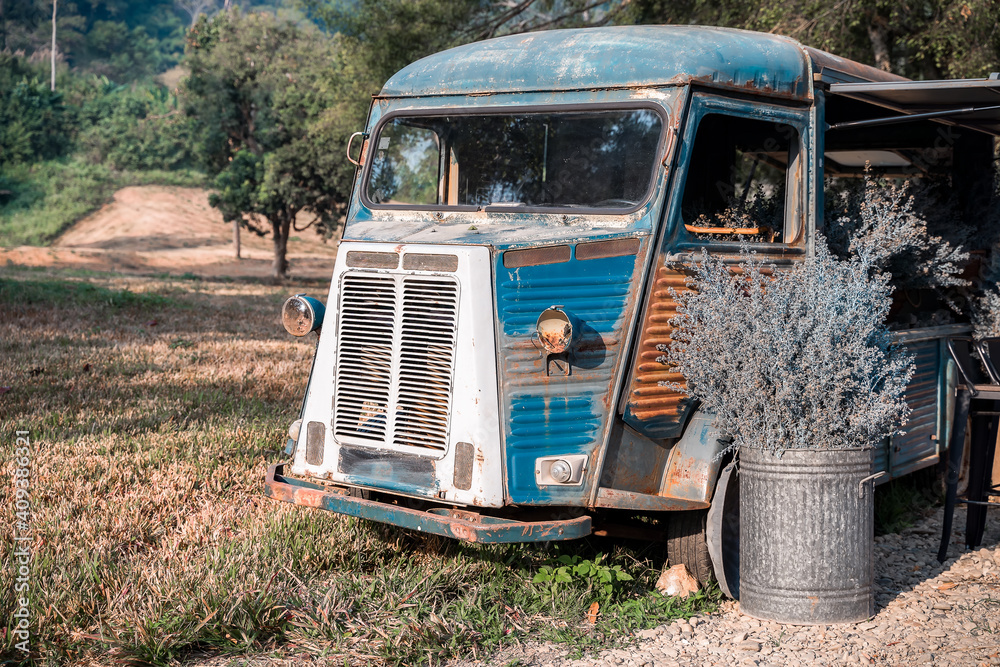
624	57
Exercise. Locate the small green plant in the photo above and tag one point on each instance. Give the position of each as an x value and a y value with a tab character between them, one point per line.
597	576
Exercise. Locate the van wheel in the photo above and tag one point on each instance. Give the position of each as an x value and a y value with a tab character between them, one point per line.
686	544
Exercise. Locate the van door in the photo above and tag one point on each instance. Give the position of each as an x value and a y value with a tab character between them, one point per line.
744	175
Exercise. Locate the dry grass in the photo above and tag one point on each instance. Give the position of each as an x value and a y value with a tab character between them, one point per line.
154	408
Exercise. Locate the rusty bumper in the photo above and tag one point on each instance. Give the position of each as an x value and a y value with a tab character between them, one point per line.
459	524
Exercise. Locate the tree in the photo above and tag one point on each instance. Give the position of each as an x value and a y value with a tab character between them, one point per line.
261	93
195	8
923	39
390	34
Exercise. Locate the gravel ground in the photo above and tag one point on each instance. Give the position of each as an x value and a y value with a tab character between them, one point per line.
928	613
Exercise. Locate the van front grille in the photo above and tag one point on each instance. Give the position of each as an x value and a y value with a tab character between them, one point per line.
395	360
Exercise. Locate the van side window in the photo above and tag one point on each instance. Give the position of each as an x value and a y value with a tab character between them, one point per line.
739	178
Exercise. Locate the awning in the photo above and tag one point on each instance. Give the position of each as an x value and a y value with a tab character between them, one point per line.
973	103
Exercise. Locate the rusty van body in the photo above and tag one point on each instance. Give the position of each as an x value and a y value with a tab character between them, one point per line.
488	366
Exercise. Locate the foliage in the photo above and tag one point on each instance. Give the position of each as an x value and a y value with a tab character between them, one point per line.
261	93
800	359
930	39
762	210
34	124
986	313
594	573
122	39
879	224
134	127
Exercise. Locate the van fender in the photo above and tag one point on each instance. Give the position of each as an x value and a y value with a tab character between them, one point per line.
695	461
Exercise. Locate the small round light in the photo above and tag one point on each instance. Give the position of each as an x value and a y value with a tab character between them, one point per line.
294	428
561	471
555	330
301	314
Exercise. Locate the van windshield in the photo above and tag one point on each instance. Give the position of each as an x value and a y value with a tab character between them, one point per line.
579	159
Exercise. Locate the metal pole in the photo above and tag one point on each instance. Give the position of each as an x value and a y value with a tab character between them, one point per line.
955	450
984	437
54	3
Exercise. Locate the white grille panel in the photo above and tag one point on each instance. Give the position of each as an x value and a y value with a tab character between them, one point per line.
395	360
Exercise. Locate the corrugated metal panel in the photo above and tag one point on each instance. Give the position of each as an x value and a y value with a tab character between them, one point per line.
917	447
550	415
882	460
654	410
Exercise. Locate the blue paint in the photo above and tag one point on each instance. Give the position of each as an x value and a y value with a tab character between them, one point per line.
612	57
553	415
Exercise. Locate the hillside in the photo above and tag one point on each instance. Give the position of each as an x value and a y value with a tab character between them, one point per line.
160	229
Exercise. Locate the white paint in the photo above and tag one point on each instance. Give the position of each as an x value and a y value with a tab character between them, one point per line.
475	405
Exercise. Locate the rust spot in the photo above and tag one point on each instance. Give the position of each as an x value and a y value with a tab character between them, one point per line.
462	533
309	497
647	398
555	332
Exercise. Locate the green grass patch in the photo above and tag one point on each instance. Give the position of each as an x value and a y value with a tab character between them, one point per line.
899	503
74	293
39	201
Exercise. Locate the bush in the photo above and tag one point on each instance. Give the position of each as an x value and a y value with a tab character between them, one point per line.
135	127
986	314
33	120
798	360
880	224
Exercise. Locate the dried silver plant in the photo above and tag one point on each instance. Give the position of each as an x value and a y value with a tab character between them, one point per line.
797	359
880	224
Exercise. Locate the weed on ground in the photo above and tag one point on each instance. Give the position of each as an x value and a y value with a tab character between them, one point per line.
899	503
154	406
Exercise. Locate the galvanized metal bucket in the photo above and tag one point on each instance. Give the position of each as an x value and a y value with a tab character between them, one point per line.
807	536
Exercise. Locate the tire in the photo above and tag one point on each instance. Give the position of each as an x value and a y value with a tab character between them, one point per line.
686	544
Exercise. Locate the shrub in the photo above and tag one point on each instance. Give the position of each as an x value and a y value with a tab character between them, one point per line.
880	224
798	360
986	314
34	124
135	127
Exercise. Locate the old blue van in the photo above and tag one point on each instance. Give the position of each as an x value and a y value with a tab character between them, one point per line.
488	366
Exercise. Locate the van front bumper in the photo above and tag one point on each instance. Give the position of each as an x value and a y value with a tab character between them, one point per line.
458	524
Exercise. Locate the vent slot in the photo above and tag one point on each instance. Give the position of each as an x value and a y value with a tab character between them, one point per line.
602	249
424	262
514	259
372	260
395	361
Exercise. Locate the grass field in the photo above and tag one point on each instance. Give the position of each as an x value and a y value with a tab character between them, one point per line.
154	407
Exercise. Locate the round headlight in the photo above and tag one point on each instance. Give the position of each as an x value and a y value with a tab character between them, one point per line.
301	314
555	330
561	471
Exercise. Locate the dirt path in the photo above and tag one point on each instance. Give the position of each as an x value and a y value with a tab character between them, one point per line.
160	229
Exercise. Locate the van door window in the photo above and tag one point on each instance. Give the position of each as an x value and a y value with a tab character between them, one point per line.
740	185
407	167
